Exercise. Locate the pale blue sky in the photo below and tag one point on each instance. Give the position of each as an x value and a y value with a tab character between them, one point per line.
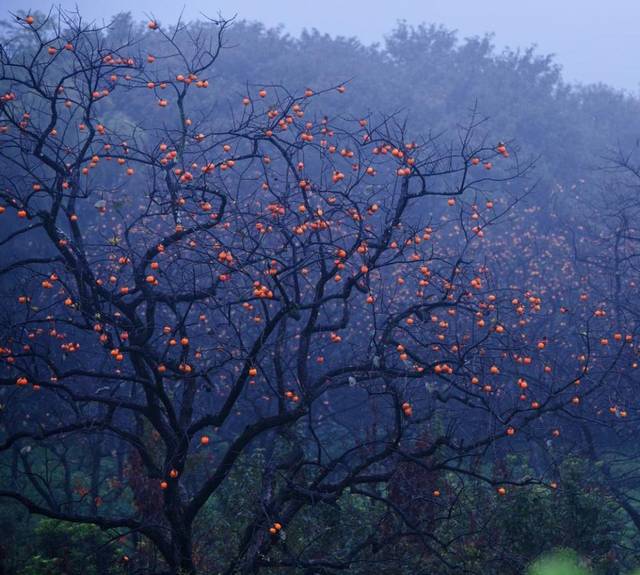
592	40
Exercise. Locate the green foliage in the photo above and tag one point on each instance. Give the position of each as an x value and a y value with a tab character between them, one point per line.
534	520
578	515
71	549
564	562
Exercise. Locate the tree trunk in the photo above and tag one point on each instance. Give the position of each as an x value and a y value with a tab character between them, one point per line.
181	544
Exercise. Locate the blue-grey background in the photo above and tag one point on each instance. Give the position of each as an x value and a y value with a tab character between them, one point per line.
593	41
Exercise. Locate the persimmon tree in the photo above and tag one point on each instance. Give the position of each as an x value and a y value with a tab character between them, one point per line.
258	290
605	248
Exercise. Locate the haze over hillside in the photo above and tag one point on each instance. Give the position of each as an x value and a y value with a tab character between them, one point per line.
592	40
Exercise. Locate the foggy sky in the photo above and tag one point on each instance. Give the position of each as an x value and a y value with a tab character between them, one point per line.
594	41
